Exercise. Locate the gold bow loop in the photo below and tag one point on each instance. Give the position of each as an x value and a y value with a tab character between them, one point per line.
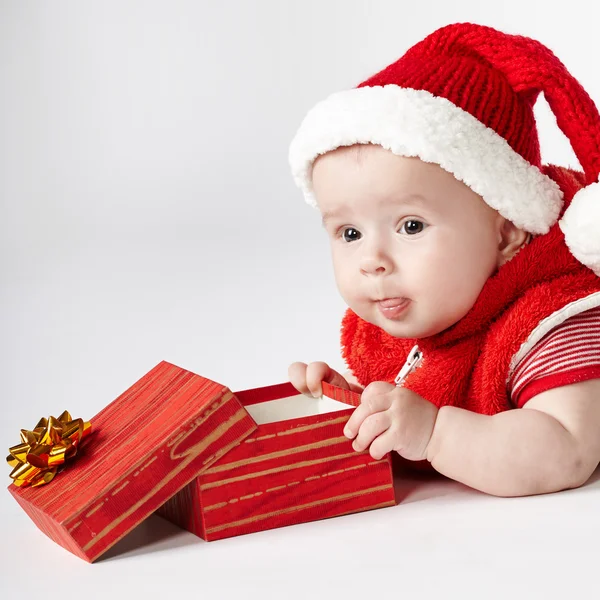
42	451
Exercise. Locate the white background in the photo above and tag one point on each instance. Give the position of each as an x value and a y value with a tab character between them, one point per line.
147	212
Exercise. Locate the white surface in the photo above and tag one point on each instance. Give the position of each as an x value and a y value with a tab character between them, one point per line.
147	213
441	540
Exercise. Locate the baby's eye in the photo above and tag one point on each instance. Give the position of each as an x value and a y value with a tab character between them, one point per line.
412	227
352	236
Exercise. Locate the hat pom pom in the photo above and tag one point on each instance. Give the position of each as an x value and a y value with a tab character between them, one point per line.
581	226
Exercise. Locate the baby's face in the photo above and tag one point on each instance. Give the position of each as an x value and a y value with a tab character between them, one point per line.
403	228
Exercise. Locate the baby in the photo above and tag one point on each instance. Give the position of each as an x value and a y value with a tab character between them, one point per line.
458	252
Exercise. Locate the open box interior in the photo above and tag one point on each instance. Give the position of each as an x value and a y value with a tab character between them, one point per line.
291	405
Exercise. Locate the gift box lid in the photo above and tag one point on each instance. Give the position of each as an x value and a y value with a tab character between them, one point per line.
145	446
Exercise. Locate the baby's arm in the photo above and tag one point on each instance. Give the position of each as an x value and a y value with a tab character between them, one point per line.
551	444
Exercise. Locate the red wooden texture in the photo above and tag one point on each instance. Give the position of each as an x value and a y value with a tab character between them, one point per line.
341	395
287	472
146	445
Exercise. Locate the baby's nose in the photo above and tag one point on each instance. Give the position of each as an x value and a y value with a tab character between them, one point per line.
376	265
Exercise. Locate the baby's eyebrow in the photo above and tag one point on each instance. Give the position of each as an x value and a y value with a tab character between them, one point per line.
327	215
409	199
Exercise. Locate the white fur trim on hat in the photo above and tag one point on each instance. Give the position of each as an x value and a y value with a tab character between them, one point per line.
412	122
581	226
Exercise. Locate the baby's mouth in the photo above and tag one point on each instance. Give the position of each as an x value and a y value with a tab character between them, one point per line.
392	302
392	308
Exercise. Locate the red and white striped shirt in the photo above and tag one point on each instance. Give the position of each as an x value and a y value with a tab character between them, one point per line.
569	353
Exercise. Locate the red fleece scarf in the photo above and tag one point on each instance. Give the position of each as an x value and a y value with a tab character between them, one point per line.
467	364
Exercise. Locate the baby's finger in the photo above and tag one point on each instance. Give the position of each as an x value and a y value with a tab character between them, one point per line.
316	372
370	404
383	444
356	419
374	425
297	377
337	379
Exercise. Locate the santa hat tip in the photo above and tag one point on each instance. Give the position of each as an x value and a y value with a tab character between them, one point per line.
581	226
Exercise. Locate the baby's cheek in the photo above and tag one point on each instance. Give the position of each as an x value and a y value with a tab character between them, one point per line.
449	293
346	281
468	265
351	298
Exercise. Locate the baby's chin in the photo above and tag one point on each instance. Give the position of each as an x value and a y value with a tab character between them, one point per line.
406	331
407	327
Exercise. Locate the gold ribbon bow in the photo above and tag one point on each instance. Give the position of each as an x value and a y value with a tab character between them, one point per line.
42	451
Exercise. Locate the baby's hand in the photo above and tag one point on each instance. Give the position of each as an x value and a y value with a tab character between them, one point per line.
392	418
307	378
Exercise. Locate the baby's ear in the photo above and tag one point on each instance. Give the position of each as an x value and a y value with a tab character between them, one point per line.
510	240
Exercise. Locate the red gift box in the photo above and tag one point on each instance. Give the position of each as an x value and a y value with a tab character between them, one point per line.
286	472
189	447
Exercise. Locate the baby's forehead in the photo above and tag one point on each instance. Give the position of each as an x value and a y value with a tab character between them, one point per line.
409	173
392	178
354	152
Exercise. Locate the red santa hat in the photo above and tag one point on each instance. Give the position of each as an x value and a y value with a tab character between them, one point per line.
463	98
